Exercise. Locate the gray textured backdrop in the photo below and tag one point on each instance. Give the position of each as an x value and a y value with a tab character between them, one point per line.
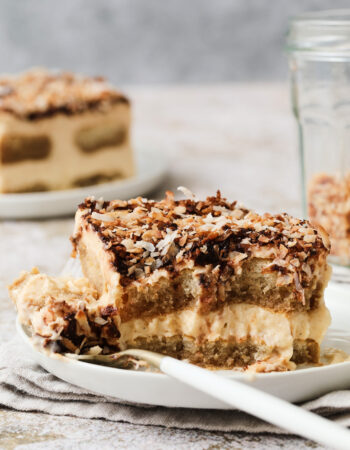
152	41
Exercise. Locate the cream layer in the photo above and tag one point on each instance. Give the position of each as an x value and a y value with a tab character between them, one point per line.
66	162
237	322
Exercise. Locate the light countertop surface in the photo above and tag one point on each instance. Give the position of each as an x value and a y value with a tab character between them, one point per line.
237	138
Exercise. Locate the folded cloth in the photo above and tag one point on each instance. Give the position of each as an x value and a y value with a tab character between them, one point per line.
25	386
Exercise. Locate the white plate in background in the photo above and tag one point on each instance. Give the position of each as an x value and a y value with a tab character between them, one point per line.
151	168
159	389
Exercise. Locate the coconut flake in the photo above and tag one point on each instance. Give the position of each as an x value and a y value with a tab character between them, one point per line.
159	263
169	238
310	238
146	245
100	321
237	257
179	210
186	192
102	217
307	269
128	244
96	350
99	203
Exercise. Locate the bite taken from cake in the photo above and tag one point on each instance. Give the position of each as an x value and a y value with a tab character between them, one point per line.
208	281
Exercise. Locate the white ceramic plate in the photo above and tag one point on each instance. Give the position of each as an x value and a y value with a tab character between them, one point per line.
151	168
159	389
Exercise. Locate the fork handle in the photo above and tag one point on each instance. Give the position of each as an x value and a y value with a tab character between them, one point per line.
258	403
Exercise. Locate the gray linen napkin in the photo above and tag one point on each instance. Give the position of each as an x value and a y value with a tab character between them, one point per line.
25	386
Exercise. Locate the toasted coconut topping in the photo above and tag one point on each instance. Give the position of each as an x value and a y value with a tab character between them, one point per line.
146	235
39	93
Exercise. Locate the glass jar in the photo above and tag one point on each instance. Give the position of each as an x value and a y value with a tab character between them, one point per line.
318	46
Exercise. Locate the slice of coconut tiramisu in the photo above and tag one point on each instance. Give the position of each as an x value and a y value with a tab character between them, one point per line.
59	131
207	281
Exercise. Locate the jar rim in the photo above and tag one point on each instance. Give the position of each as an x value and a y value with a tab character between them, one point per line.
325	32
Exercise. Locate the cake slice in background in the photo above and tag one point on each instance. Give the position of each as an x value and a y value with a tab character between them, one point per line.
60	131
